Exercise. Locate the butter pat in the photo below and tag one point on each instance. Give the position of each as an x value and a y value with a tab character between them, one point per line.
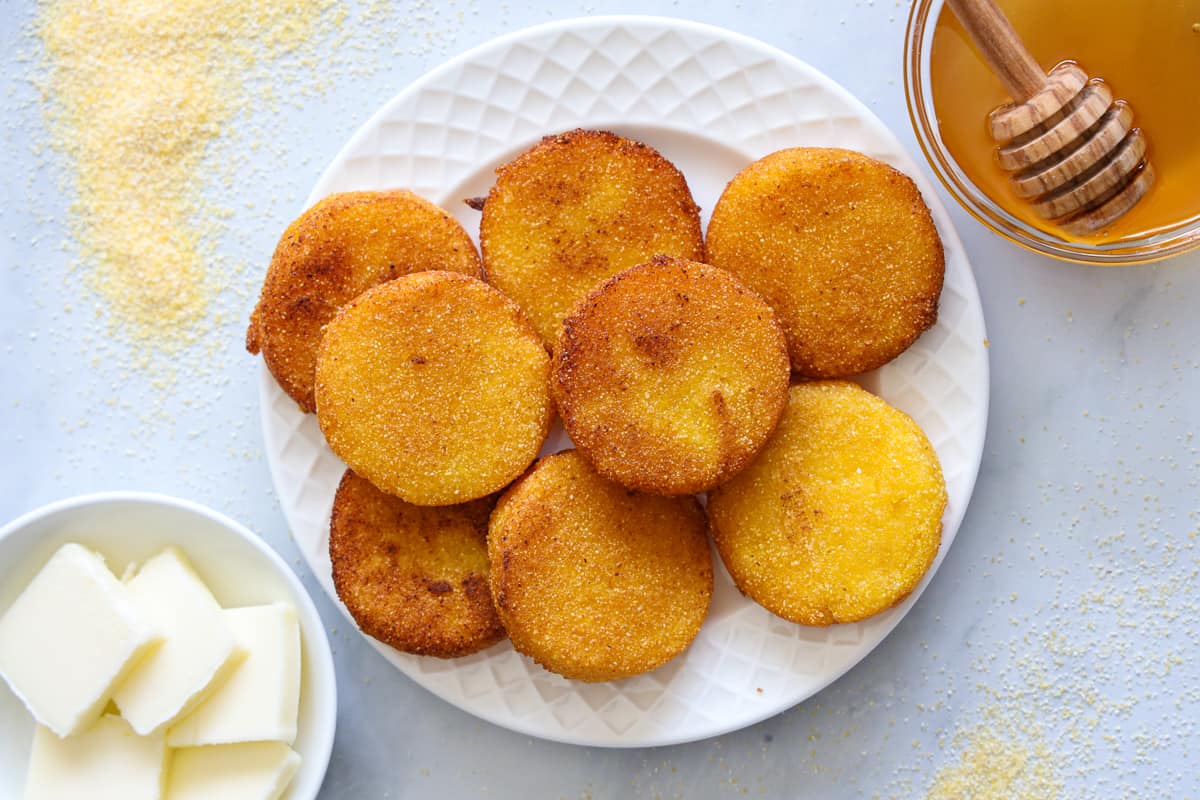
197	653
108	761
254	771
259	701
71	636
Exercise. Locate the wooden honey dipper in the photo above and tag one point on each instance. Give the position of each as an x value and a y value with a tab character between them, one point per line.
1070	150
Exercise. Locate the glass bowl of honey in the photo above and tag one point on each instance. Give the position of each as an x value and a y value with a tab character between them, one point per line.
1150	55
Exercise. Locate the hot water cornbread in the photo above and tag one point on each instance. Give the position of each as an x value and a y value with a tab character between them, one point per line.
578	208
592	580
670	376
413	577
843	248
434	387
333	252
840	515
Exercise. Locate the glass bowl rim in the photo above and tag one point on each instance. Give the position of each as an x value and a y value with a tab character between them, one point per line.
919	102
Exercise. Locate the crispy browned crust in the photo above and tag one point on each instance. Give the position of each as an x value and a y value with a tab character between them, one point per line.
412	577
840	516
577	208
670	376
843	248
434	387
594	581
333	252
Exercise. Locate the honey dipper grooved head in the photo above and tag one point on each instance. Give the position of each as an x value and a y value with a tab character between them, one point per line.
1073	152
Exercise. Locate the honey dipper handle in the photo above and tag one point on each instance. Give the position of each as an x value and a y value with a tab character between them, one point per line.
1001	47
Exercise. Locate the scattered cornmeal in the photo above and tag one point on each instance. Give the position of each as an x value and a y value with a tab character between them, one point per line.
841	514
415	578
843	248
670	376
135	96
997	762
434	387
332	253
576	209
594	581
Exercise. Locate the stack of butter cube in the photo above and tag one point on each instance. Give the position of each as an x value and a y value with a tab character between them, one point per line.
146	688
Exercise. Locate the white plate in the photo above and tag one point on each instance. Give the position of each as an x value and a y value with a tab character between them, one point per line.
711	101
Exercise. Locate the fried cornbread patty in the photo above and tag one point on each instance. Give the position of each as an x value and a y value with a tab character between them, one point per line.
335	251
670	376
413	577
840	515
843	248
434	387
594	581
578	208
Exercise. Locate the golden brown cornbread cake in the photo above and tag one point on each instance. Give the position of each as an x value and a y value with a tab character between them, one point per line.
840	515
335	251
413	577
670	376
577	208
843	248
592	580
434	387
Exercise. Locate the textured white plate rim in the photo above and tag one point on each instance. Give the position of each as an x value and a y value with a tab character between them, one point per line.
946	229
324	734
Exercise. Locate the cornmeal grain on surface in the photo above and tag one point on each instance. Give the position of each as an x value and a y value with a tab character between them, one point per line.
592	580
434	387
670	376
135	94
336	250
575	209
997	761
840	516
843	248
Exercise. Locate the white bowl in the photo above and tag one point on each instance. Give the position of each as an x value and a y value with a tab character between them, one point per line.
238	567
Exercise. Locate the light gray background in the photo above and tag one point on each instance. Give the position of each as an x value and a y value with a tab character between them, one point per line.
1060	632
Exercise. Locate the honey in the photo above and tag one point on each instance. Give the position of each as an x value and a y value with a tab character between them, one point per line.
1149	53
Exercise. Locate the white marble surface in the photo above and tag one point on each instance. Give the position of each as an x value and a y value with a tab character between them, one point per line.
1063	622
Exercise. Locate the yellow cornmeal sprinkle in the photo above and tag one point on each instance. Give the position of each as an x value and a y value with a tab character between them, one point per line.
135	91
998	760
